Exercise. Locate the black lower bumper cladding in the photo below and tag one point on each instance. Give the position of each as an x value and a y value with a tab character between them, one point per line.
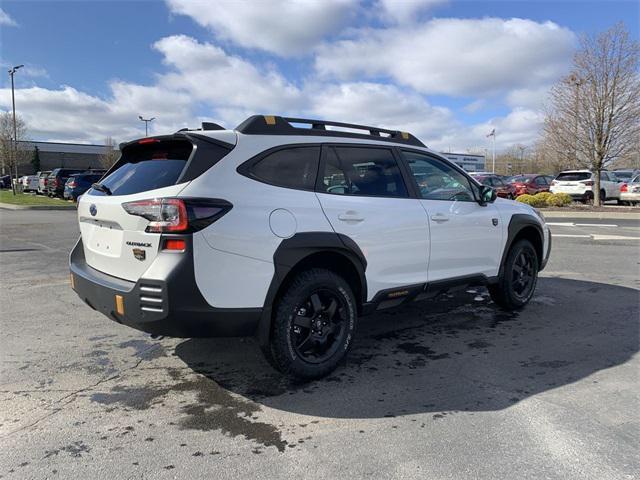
164	301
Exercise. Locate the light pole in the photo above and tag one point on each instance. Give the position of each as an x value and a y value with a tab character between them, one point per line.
576	81
146	124
12	71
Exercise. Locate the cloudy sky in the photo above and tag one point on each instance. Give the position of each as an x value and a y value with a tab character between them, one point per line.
447	71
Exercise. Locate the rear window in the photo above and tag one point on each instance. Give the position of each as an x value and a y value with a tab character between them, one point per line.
145	167
519	179
573	176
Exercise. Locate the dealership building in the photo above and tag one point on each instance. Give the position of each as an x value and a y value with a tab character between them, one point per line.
58	154
470	163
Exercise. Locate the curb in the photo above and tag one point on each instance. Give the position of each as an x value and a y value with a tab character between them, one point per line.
596	215
10	206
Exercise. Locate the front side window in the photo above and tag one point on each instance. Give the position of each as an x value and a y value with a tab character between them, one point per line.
361	171
437	180
294	167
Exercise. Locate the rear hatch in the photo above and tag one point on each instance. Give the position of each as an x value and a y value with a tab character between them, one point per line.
116	242
572	182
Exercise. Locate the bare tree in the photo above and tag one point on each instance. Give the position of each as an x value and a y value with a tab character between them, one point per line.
11	156
594	113
111	153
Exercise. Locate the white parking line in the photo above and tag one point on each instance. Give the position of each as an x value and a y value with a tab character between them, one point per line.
556	235
594	225
571	224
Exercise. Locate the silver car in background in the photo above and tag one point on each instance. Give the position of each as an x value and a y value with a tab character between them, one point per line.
630	191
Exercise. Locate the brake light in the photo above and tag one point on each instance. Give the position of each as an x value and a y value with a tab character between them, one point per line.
72	184
176	244
175	215
148	140
624	188
588	183
55	182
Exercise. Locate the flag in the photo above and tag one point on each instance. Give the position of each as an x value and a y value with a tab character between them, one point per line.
492	134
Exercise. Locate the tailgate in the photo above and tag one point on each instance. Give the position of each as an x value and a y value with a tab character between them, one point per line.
115	242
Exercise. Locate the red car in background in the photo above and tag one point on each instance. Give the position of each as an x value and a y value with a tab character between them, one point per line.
503	188
531	183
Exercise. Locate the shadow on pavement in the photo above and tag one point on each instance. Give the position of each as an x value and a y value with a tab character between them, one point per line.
455	353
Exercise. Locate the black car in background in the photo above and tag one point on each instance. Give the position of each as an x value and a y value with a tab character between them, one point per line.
59	176
79	183
5	181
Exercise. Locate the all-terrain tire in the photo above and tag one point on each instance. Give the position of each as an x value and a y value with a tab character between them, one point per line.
509	292
285	340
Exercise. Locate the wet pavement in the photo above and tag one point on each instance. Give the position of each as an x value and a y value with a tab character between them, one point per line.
452	388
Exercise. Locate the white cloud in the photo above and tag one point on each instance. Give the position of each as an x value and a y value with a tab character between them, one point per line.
71	115
404	11
383	106
455	57
6	20
283	27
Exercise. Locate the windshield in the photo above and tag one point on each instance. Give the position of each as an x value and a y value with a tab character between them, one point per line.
519	179
573	176
147	167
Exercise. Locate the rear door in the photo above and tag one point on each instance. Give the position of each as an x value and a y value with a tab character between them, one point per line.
111	237
364	196
466	238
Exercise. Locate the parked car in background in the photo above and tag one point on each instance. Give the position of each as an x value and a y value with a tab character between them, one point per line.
630	191
625	174
530	183
79	183
579	184
503	189
30	183
57	178
42	182
5	181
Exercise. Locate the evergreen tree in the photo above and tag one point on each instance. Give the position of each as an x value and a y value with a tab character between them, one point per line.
35	159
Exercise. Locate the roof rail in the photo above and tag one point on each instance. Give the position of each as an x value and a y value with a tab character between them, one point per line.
275	125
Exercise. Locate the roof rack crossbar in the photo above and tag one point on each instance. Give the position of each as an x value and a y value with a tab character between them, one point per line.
275	125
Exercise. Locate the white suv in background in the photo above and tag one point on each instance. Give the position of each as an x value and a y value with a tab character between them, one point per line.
291	233
579	184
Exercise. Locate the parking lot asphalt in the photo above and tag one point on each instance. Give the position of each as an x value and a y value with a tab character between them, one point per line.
448	389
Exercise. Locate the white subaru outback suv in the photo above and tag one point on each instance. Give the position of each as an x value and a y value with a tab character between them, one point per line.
290	231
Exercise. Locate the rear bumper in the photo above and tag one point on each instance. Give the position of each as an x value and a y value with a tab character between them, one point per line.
630	196
164	301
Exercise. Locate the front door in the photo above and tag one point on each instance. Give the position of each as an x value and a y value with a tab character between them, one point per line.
466	237
363	195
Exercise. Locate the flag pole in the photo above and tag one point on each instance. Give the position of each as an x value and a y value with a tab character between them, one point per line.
493	168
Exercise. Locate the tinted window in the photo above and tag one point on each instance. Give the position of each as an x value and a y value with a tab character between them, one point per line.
573	176
147	167
294	167
541	181
361	171
497	182
437	180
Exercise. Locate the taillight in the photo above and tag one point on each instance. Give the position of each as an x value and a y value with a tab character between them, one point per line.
55	182
72	184
176	215
553	182
624	188
588	183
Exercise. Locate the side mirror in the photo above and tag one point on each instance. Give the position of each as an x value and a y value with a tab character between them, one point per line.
487	195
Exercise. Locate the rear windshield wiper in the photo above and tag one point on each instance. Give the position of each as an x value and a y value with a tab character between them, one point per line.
102	188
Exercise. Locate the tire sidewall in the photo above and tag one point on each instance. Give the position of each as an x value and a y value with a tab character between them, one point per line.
282	347
516	300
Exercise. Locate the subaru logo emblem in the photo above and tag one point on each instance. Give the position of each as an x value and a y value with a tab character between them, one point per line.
93	210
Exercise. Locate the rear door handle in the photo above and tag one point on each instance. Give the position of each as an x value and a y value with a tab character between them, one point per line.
439	218
350	216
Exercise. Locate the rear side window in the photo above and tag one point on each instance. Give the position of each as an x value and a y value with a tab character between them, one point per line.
145	167
294	167
573	176
361	171
541	181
